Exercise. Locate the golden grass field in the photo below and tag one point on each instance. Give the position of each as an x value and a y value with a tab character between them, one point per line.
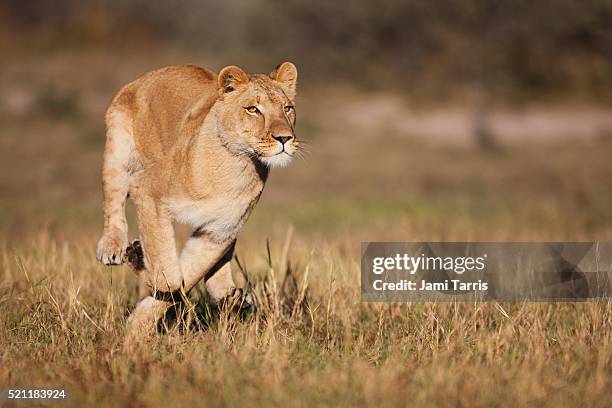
312	341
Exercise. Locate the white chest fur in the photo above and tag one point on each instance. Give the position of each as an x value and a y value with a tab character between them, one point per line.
221	218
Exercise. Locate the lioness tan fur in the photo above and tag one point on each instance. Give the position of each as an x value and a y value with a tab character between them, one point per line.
192	147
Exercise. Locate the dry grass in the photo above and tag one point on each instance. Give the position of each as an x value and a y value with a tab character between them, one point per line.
313	340
63	324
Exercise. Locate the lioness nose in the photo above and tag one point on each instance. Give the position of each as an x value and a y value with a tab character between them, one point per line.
283	139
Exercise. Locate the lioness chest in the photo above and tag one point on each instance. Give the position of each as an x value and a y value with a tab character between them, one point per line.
221	217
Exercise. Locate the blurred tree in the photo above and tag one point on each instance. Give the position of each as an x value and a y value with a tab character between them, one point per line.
502	48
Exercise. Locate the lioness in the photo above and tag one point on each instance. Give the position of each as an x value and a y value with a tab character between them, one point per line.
194	147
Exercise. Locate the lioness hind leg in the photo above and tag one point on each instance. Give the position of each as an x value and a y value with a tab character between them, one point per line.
144	319
203	258
115	183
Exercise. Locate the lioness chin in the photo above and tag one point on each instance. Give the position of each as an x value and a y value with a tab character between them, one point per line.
194	147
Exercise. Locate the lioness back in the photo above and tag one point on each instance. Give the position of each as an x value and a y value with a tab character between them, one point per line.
157	104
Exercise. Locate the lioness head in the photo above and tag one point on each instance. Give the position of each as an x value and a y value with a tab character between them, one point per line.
256	113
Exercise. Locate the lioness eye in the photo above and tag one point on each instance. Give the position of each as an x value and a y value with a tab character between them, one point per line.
252	109
288	108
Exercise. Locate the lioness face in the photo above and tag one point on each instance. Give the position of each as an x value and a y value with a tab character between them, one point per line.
258	113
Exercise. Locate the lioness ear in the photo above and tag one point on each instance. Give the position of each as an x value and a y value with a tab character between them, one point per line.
230	78
286	74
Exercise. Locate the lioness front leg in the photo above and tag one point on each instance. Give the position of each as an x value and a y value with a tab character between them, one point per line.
161	264
201	256
169	277
205	258
160	269
115	183
208	259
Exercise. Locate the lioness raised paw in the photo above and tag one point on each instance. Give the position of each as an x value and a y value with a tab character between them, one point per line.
111	248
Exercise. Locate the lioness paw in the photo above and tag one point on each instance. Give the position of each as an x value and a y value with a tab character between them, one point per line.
111	248
135	256
237	301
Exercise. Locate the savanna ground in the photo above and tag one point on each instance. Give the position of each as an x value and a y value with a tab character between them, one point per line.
364	178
